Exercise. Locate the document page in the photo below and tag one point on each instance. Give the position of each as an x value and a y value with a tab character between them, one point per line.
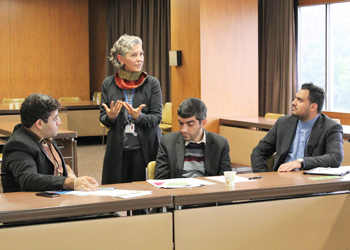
179	183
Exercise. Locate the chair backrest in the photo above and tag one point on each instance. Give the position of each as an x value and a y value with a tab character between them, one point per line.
150	169
346	159
69	99
94	97
336	120
273	115
167	116
12	100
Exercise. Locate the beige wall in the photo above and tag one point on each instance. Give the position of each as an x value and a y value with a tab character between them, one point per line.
219	44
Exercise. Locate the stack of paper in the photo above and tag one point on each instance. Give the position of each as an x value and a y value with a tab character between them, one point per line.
329	171
222	178
179	183
119	193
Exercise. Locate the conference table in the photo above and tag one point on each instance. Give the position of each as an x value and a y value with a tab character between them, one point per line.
82	116
87	222
278	211
68	139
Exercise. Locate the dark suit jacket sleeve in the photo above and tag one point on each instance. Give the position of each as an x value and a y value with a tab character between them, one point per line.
104	99
265	149
333	155
21	163
225	160
153	116
162	170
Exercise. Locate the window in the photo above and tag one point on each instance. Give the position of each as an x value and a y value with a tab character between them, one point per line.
324	51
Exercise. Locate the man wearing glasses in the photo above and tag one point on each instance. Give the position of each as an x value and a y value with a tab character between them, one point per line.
31	158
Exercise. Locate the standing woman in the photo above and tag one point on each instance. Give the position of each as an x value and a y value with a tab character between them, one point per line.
132	110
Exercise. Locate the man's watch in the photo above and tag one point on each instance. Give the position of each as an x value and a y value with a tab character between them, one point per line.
301	161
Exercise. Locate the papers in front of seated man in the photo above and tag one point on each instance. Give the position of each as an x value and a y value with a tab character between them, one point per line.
118	193
329	171
222	178
179	183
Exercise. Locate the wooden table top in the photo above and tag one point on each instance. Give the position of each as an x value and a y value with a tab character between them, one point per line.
272	185
263	123
5	109
82	105
26	206
6	128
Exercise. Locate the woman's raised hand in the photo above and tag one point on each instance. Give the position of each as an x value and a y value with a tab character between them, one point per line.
114	109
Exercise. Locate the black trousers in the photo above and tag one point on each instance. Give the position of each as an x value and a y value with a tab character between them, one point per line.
134	166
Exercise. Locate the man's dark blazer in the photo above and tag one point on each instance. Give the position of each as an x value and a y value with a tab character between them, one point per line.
324	147
26	166
171	155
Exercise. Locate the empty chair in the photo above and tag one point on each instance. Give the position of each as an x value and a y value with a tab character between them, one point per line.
167	119
96	95
273	115
69	99
150	170
12	100
103	133
336	120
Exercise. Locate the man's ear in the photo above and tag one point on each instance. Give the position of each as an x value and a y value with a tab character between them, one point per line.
120	59
313	107
204	122
39	124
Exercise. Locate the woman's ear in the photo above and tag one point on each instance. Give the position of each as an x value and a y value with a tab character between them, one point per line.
120	59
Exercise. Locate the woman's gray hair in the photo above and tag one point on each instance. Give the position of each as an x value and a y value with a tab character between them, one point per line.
125	44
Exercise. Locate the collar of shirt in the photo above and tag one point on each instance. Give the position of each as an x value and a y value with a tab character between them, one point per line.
309	124
44	141
203	140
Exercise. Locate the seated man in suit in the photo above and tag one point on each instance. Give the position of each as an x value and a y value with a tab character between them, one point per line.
304	140
192	152
31	158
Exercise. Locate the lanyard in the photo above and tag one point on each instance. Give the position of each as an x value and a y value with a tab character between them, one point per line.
127	100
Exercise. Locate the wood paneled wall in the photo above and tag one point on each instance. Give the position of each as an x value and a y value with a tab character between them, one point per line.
44	48
185	36
97	41
219	44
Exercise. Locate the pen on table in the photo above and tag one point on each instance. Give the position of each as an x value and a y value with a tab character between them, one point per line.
256	177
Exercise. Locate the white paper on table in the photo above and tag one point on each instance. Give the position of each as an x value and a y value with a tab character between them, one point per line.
222	178
179	183
120	193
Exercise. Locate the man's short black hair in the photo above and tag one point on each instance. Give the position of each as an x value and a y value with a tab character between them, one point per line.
37	106
316	95
192	107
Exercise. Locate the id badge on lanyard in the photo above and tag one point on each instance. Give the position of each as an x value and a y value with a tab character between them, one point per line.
130	127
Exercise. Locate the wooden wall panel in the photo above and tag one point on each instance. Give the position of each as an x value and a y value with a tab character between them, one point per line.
185	36
5	48
229	59
97	41
219	44
30	61
69	46
44	48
